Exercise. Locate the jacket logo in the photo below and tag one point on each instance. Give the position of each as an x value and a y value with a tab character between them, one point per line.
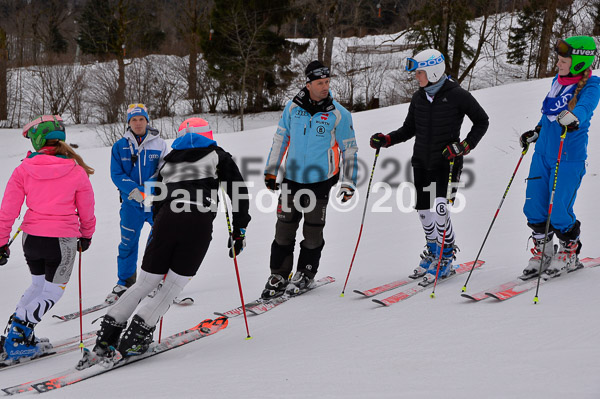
320	130
324	117
153	156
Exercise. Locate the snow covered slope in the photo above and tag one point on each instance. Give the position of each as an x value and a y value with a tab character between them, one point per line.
325	346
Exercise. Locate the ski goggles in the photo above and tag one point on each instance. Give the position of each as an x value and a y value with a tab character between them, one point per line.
319	73
43	118
564	49
412	64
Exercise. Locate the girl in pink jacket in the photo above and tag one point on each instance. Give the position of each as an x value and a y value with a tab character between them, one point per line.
54	182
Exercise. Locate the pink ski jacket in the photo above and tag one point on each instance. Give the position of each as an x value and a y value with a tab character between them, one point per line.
59	198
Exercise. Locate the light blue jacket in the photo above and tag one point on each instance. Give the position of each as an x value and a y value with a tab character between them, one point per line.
317	146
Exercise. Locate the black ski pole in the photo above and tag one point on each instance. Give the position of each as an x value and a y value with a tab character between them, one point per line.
362	223
464	288
562	140
237	270
448	202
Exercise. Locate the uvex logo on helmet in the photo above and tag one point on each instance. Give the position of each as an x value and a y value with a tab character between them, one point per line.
580	51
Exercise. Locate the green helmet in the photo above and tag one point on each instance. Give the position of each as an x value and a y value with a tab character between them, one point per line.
43	128
581	49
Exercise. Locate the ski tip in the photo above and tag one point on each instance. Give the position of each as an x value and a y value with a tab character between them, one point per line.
59	317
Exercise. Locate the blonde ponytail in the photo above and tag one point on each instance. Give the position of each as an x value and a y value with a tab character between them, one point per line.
63	148
586	75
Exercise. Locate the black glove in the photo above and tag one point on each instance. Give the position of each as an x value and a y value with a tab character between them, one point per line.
456	149
379	140
237	240
271	182
569	120
529	137
4	254
83	244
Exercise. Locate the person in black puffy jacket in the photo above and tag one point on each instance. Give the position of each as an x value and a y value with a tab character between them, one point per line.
434	119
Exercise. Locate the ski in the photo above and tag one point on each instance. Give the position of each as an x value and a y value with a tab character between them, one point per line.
528	285
386	287
413	290
75	315
269	304
73	375
479	296
263	305
58	348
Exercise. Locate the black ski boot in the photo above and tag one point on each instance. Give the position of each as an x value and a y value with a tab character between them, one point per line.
275	287
137	338
108	336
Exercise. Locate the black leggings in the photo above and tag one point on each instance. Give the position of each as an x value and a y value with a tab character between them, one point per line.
50	256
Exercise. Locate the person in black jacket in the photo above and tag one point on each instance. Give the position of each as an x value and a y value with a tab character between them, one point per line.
434	119
185	206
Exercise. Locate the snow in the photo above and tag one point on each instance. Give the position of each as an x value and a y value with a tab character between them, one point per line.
324	346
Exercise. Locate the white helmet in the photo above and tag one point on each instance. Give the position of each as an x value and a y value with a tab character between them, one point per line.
431	61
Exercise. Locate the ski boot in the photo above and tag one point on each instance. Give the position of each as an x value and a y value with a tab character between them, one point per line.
275	287
446	266
564	260
533	268
115	294
300	282
427	258
20	342
137	338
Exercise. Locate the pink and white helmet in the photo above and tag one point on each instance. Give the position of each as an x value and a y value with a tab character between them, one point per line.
195	125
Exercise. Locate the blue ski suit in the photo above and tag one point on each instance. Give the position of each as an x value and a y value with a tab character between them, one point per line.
571	170
130	167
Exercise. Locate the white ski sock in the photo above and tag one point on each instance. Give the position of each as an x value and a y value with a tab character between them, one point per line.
156	307
35	289
40	304
124	307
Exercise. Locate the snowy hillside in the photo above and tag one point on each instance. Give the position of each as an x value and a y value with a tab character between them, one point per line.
323	346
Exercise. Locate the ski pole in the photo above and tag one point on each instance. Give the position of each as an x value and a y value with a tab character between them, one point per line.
562	140
464	288
448	201
363	219
8	245
81	345
237	271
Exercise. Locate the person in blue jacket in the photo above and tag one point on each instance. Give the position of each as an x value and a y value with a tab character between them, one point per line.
317	135
569	105
135	159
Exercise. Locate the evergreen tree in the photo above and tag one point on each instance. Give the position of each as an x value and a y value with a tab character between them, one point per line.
246	53
522	37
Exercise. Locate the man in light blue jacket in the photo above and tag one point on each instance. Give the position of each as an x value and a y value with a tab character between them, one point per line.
317	135
136	158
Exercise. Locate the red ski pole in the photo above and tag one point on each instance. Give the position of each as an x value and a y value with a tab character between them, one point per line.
362	223
237	271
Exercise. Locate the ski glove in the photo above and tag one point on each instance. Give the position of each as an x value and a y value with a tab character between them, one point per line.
456	149
4	254
136	195
529	137
237	241
346	192
569	120
271	182
83	244
379	140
